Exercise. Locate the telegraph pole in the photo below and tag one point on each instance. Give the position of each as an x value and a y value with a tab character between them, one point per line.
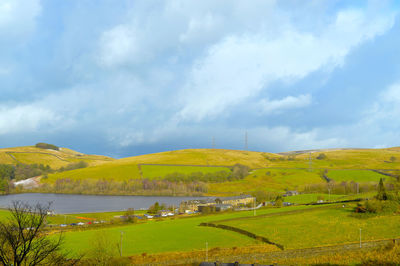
206	251
120	244
360	237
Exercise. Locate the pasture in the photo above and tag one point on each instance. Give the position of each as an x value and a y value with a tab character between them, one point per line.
269	180
109	171
319	227
53	158
355	175
160	171
343	159
169	235
309	198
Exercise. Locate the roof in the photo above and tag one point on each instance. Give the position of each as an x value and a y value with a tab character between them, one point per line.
223	205
202	201
237	197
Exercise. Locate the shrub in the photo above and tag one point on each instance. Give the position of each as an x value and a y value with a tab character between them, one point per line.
321	156
42	145
377	207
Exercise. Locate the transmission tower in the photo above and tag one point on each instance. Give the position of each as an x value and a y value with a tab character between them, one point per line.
310	163
213	142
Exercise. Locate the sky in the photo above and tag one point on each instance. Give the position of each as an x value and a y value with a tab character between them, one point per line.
123	78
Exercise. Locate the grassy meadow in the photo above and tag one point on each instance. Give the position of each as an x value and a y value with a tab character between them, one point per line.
269	180
270	172
309	198
320	227
160	171
127	168
355	175
53	158
168	235
343	159
86	217
109	171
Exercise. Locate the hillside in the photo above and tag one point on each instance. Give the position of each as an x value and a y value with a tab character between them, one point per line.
268	171
54	158
128	168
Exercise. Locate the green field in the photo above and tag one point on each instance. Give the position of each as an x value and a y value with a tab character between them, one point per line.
355	175
309	198
160	171
269	180
183	234
271	172
320	227
105	171
344	159
53	158
3	213
85	217
127	168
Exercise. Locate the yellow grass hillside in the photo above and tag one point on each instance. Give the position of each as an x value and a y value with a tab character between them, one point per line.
343	159
127	168
55	159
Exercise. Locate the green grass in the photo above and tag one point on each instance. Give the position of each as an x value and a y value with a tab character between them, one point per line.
86	217
4	214
56	159
309	198
270	180
276	180
160	171
168	235
320	227
127	168
105	171
345	159
355	175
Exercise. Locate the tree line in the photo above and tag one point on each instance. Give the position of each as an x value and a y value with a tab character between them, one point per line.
237	172
21	171
126	187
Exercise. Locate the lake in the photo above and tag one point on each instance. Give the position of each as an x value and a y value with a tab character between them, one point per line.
71	203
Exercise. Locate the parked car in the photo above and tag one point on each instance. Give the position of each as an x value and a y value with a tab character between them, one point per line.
80	223
63	225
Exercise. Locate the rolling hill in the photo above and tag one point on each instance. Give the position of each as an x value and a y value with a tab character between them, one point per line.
54	158
271	172
268	171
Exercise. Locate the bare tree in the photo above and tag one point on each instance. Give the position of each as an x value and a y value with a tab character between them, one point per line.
22	239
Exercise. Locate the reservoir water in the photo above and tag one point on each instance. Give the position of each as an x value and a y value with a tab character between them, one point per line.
71	203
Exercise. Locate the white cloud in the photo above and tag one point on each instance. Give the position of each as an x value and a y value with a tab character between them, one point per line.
290	102
242	65
121	45
17	17
286	139
202	29
26	118
392	94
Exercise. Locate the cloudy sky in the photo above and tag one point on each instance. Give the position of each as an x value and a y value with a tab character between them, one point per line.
123	78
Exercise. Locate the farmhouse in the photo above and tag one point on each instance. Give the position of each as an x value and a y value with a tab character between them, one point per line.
219	204
291	193
192	205
238	200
